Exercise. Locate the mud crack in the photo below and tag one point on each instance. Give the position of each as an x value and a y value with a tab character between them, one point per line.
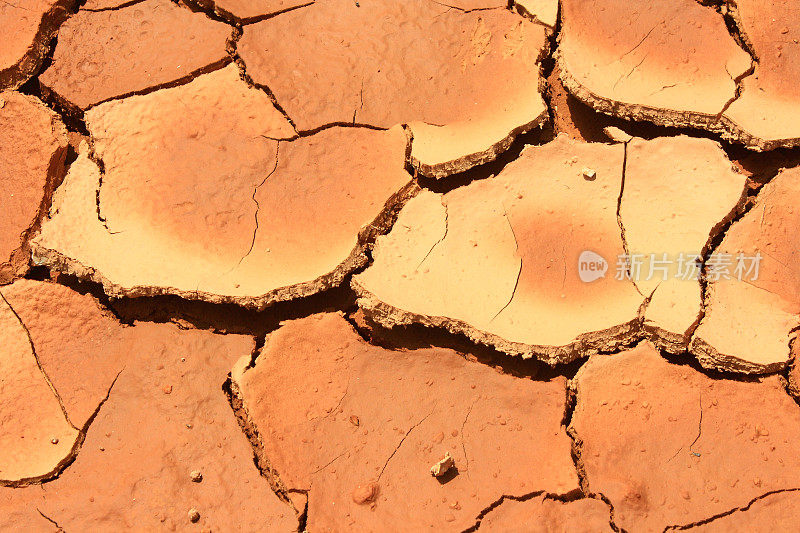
729	512
399	444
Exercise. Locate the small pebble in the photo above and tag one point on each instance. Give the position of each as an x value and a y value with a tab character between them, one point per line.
54	440
589	174
196	476
194	515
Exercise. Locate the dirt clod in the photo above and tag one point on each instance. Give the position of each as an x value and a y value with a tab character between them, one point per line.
443	465
365	493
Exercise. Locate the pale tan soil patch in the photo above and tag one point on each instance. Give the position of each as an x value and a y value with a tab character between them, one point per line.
208	194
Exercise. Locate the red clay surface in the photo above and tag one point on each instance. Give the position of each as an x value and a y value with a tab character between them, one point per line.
344	435
367	265
32	158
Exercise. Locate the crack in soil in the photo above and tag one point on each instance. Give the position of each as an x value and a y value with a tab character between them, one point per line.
219	14
463	10
38	363
73	453
446	229
258	206
519	271
399	444
577	451
729	512
260	460
463	445
563	498
119	7
101	168
699	433
716	236
625	247
58	527
57	169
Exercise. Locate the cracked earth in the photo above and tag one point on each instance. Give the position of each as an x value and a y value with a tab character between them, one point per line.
339	265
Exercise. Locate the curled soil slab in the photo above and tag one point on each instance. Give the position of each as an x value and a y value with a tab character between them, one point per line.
151	44
726	338
678	193
670	62
542	514
767	114
160	415
668	445
501	260
465	82
208	194
28	26
344	433
498	260
32	154
36	439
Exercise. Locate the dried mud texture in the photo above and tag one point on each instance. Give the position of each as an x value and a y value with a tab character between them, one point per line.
670	62
498	260
726	338
668	445
36	437
466	83
679	192
28	26
32	155
547	515
767	114
207	194
345	434
114	53
156	412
